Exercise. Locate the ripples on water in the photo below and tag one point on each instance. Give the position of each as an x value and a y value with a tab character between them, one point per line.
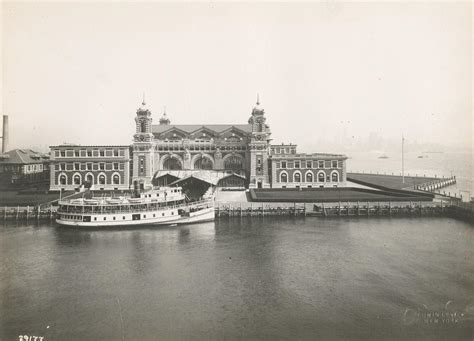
249	279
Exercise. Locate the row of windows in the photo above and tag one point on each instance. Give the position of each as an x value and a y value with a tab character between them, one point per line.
283	150
78	217
202	148
90	166
321	177
89	153
89	178
308	164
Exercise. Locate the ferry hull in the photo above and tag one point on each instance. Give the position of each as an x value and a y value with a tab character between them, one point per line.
200	216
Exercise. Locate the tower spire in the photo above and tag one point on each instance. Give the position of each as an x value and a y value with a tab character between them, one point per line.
258	99
143	102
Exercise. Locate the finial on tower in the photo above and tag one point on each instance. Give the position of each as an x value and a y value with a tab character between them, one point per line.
143	102
258	99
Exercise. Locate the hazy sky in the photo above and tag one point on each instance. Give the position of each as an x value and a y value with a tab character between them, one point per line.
76	72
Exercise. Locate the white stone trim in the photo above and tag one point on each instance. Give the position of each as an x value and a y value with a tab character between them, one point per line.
317	176
287	177
301	177
312	176
112	178
98	177
80	179
59	179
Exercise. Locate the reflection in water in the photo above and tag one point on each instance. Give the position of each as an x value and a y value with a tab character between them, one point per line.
234	278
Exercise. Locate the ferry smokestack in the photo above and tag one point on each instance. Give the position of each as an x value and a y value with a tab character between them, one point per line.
5	134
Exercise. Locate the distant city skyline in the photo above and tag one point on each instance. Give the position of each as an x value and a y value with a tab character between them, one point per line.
327	73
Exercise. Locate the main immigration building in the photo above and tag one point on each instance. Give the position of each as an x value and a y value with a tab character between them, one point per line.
223	155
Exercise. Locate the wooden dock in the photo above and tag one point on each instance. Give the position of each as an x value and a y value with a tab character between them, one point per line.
450	208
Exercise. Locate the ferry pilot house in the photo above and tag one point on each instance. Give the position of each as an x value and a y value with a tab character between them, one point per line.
224	155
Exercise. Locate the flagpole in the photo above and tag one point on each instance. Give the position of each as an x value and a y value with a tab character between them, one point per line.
403	159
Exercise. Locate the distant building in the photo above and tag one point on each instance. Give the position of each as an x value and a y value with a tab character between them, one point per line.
97	167
23	168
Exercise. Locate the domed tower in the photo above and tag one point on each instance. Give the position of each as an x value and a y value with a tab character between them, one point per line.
164	120
259	148
143	151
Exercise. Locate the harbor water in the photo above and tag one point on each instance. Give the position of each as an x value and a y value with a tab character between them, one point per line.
240	278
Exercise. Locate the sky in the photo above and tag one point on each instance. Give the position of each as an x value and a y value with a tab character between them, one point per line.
76	72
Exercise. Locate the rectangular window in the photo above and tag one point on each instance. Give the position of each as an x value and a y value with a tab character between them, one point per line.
83	153
297	164
334	164
76	166
321	164
89	153
56	153
290	164
116	165
102	166
116	152
101	152
309	164
62	166
327	164
63	153
283	164
89	166
76	153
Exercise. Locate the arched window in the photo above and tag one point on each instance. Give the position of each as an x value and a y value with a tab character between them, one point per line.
321	177
77	179
309	177
233	163
297	177
63	180
101	179
116	179
143	126
90	178
172	163
335	177
283	177
203	163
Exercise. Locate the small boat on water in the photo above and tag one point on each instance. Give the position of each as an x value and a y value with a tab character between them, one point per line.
384	156
161	206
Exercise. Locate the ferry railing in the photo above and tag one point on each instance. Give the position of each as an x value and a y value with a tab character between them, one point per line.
127	208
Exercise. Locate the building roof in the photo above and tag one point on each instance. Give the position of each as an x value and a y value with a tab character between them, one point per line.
88	146
304	155
190	128
23	157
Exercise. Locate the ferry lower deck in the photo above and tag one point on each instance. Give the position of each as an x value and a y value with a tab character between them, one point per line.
137	214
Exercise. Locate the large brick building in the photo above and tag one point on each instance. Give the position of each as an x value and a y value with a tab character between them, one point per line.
165	150
102	167
226	155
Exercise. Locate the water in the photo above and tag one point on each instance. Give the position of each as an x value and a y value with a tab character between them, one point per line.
432	164
285	278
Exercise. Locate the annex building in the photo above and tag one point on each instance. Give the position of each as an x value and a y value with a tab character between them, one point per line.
222	155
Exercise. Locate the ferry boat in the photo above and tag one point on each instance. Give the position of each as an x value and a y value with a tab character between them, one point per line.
161	206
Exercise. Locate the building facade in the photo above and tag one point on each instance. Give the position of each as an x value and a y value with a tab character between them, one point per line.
23	168
97	167
164	150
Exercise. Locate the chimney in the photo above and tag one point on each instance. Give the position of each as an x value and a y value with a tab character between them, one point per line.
5	134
